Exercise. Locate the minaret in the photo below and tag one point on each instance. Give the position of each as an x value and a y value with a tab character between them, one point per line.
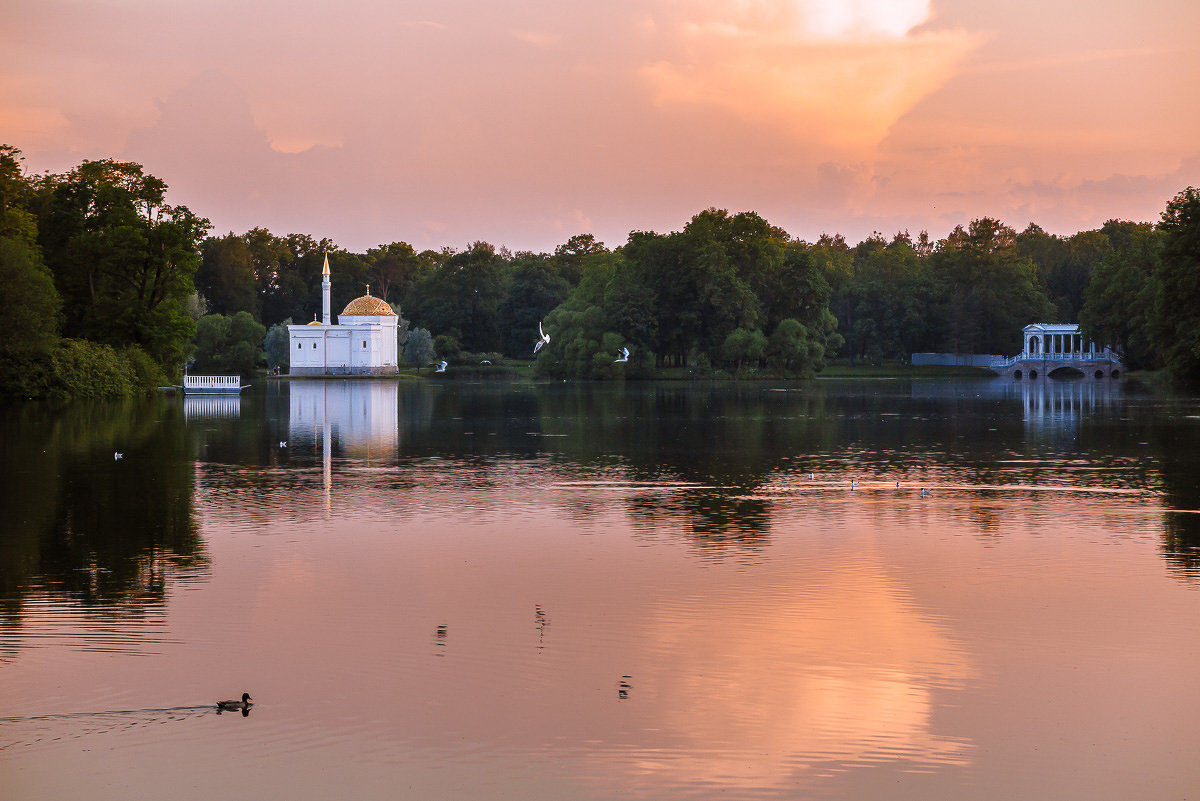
325	292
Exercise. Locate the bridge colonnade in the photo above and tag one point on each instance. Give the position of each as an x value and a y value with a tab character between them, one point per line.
1045	342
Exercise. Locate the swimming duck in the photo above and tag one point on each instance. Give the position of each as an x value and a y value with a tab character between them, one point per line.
242	705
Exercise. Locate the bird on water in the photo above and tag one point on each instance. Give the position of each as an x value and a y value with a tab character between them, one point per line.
229	706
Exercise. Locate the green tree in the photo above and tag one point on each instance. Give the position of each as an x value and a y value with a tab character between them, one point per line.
29	305
535	289
418	350
16	194
570	257
989	290
1120	302
393	269
277	345
122	258
676	299
462	296
742	347
835	259
892	296
228	345
226	275
1178	310
269	256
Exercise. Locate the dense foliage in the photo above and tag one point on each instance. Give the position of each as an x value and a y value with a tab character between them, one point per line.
709	294
96	257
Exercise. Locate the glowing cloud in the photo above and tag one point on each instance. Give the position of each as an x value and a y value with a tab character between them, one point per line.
836	73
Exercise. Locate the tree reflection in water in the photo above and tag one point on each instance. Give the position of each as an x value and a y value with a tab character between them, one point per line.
109	535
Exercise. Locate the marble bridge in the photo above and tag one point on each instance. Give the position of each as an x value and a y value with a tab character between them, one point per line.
1051	348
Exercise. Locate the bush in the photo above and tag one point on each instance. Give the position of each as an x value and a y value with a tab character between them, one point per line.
147	372
77	369
91	371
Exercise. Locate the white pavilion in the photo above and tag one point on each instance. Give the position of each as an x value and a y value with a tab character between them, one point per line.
362	343
1060	341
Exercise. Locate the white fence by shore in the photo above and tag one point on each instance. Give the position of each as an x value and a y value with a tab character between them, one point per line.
212	383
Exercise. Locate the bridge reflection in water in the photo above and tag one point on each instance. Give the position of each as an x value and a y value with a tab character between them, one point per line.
1065	401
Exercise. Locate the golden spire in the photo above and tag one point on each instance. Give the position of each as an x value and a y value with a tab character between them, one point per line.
325	271
368	290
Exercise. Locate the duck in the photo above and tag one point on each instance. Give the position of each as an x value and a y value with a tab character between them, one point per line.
242	705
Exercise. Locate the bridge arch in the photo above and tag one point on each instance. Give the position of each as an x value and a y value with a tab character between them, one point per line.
1066	371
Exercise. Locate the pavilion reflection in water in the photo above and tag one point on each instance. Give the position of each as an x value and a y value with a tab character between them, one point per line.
361	412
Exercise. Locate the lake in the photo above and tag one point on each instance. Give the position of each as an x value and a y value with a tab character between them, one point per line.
452	590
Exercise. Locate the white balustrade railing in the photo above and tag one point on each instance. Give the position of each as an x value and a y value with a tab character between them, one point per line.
1107	354
212	382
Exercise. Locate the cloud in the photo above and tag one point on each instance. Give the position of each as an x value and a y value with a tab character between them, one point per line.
536	38
837	74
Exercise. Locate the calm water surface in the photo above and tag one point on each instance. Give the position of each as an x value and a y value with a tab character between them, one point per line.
448	590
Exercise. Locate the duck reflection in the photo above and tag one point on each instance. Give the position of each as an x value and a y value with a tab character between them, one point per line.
440	640
541	622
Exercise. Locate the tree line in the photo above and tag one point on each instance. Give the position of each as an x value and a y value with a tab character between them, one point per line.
108	285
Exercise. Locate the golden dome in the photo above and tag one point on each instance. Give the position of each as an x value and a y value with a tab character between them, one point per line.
368	305
315	321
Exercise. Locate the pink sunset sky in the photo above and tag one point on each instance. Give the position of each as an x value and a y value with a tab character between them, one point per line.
441	122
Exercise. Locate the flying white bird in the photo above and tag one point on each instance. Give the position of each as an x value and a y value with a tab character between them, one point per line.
283	443
545	340
117	456
811	476
853	484
441	367
925	493
486	361
624	357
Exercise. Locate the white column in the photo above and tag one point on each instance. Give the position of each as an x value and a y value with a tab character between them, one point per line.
325	292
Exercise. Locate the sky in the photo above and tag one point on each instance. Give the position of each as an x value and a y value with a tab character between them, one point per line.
444	122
